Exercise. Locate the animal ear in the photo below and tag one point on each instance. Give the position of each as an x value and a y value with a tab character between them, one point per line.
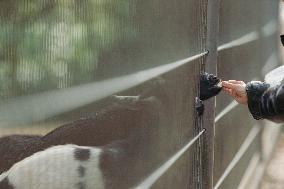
125	99
128	102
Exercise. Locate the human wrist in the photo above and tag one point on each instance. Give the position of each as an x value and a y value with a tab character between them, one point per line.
255	90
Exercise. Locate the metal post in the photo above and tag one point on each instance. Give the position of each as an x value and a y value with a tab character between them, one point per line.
208	118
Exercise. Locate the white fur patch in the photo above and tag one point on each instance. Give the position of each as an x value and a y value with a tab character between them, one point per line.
56	168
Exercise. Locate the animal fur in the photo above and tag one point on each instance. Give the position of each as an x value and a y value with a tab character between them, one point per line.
131	119
59	167
78	167
14	146
116	122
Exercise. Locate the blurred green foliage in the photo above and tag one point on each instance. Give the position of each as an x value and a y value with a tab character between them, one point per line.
49	44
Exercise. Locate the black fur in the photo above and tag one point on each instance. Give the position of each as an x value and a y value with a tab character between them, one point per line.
14	148
82	154
5	184
132	120
208	86
81	171
282	39
113	123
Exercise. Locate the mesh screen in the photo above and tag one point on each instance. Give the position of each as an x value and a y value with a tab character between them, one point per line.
50	45
254	25
56	44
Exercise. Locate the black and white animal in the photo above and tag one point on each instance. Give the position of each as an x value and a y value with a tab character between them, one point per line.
131	119
78	167
58	167
116	122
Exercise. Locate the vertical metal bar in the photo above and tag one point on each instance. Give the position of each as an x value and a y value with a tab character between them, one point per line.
208	118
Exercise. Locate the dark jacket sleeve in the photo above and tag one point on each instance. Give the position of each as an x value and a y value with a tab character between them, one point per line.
265	102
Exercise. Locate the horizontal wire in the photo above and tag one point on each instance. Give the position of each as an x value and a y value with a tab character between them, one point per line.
252	36
45	105
270	64
242	150
159	172
267	30
226	110
254	162
39	107
270	28
150	180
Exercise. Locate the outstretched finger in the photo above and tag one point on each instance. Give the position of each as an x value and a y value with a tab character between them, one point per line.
235	82
229	85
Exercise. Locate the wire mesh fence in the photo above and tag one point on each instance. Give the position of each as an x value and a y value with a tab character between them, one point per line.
62	60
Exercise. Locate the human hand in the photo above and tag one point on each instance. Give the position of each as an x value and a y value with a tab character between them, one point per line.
236	89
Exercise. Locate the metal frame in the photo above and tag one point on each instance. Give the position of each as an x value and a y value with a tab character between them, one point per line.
211	67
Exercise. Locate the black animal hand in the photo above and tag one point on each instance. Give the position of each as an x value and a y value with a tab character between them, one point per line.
209	86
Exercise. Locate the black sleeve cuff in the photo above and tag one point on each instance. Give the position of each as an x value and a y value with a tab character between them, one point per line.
255	90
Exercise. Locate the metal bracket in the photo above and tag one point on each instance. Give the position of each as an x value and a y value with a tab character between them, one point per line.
199	106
